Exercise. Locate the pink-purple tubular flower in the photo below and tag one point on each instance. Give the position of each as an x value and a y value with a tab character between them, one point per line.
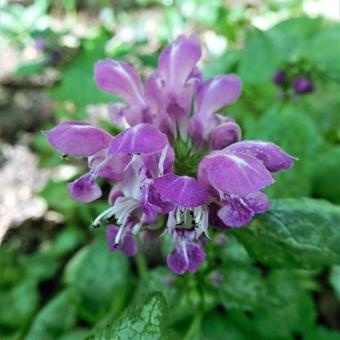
171	107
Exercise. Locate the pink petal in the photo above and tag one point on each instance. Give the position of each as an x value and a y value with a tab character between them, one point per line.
120	79
257	201
177	262
235	212
216	93
78	139
84	189
271	155
196	256
178	60
224	135
181	190
233	173
142	138
111	167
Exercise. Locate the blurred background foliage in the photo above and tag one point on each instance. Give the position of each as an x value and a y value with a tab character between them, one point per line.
59	281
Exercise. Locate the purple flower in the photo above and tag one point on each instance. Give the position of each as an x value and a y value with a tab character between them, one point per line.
271	155
78	139
211	96
189	218
187	222
279	77
54	57
110	167
225	134
216	278
121	79
303	85
135	201
230	178
124	243
187	256
39	43
178	72
237	211
236	175
233	173
177	62
181	190
139	161
84	189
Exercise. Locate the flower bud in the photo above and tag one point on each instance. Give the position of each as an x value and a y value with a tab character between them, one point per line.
224	135
303	85
279	78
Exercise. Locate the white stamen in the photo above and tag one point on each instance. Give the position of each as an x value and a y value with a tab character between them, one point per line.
183	245
119	235
121	210
106	214
162	160
186	218
101	165
136	228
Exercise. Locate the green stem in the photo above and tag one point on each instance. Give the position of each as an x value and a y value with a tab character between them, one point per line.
141	265
195	326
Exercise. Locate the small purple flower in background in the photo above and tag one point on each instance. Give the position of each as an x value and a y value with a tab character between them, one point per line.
53	56
140	161
299	84
303	85
279	77
39	43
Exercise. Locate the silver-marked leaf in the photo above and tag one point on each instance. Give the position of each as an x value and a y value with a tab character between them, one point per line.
147	322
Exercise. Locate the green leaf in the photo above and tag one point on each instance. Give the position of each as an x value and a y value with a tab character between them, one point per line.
293	316
323	48
18	304
256	64
30	69
242	287
77	85
41	265
326	173
56	318
67	240
225	64
77	334
321	333
100	276
11	269
301	233
58	198
234	251
148	321
217	326
296	313
334	280
290	38
177	301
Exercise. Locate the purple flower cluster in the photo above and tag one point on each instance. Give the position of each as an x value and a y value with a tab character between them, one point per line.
140	160
301	84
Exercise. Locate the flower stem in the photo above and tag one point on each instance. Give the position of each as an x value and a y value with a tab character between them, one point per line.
142	267
195	326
